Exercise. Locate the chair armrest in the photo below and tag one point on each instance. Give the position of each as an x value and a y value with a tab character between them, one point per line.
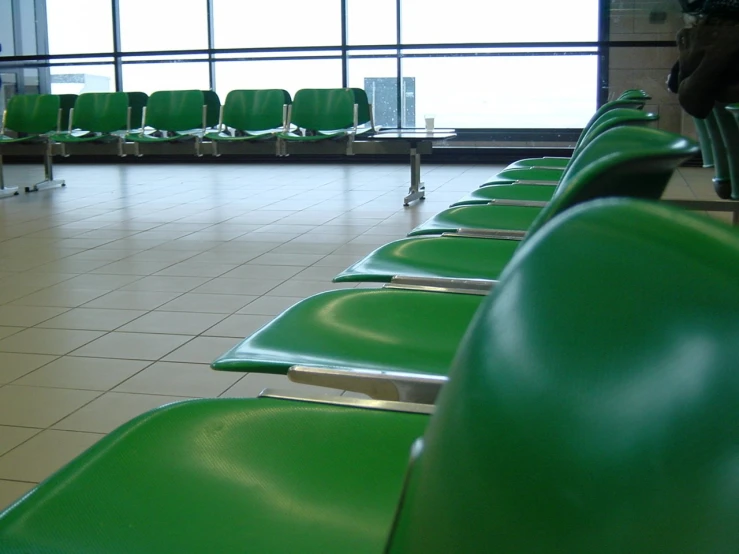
481	287
394	386
499	234
382	405
521	203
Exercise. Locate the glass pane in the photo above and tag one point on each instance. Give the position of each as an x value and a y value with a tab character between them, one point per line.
152	77
6	28
379	77
291	75
67	36
240	24
464	21
77	79
372	22
460	92
148	25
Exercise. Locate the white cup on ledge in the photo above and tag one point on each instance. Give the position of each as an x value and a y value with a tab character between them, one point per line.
429	118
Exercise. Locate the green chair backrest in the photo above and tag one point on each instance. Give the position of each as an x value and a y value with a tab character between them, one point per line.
323	109
592	407
255	110
615	117
137	102
33	114
634	93
625	161
363	107
608	106
101	112
66	103
213	108
175	110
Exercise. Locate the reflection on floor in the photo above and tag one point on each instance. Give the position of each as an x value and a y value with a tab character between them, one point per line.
117	291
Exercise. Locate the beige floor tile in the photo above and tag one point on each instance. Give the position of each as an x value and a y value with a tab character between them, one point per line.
316	273
124	267
221	285
195	269
92	319
238	326
10	491
132	346
265	272
45	453
170	283
39	407
63	298
179	379
303	289
300	260
132	300
27	316
269	305
13	366
103	282
47	341
10	437
7	331
112	410
176	323
208	303
201	350
73	372
254	383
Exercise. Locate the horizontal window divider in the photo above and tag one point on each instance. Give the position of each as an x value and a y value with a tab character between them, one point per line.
437	46
497	54
274	58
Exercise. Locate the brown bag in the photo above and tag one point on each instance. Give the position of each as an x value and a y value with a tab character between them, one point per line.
709	64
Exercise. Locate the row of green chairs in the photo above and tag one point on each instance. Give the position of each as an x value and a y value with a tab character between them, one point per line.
590	407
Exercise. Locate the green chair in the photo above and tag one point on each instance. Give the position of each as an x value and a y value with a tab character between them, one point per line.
609	119
174	116
251	115
730	136
480	255
321	114
137	102
33	118
597	414
415	327
705	141
722	170
561	163
66	104
97	117
365	116
212	108
511	213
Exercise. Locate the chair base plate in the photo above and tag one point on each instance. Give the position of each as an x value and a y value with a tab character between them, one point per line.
419	194
43	185
8	191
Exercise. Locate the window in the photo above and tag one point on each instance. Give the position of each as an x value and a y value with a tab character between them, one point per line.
468	21
69	34
371	22
150	25
249	24
291	75
77	79
504	91
174	75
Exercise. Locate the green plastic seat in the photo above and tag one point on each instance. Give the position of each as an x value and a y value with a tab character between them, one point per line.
252	115
609	118
416	331
321	114
730	135
515	217
601	414
225	476
642	174
97	117
554	163
33	116
172	114
595	414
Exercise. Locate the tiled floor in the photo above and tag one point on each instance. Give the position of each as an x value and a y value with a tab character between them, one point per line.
117	291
